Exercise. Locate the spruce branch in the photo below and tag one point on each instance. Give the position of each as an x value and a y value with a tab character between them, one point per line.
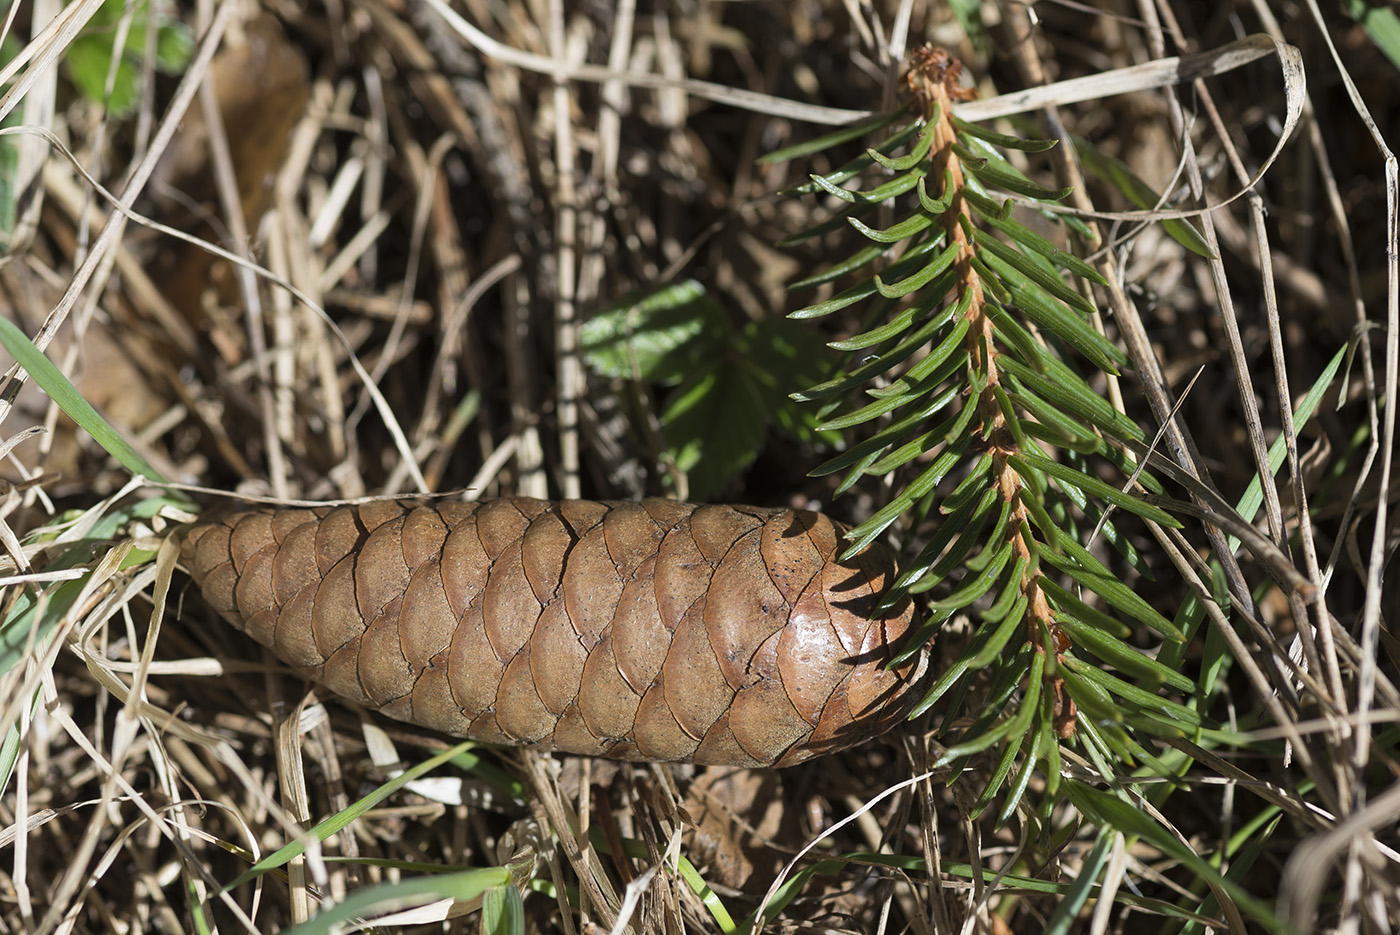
965	387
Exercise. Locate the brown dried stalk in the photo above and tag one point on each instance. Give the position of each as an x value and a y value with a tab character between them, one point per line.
654	630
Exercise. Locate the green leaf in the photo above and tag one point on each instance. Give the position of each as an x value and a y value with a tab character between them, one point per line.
971	535
937	206
1122	656
660	337
1096	488
383	898
1014	726
1042	738
1117	173
1064	388
938	363
88	58
1003	140
902	230
1089	572
985	555
1090	616
866	532
1178	719
891	189
978	585
991	169
1048	281
714	425
780	354
849	265
871	447
970	515
838	222
1381	24
1030	240
503	911
916	153
912	260
900	323
845	135
918	280
1086	882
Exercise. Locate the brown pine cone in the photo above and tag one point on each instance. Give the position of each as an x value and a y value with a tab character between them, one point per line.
651	630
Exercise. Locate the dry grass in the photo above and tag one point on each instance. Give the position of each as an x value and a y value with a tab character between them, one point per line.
422	226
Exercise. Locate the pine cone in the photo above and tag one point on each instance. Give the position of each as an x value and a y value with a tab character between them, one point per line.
650	630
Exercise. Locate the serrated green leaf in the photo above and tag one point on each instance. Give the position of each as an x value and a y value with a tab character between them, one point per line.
714	425
88	58
174	46
662	336
1381	24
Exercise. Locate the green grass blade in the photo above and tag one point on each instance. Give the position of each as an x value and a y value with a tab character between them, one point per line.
52	381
